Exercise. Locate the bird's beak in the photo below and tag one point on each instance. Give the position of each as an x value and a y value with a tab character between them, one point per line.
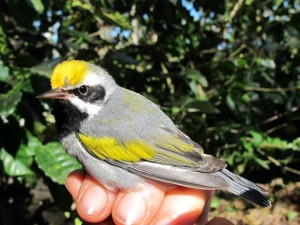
57	93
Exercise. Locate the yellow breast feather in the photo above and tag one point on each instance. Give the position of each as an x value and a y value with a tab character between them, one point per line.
110	148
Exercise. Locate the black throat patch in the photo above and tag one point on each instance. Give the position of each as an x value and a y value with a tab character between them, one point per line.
67	117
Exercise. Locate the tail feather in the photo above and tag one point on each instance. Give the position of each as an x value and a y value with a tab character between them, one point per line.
245	188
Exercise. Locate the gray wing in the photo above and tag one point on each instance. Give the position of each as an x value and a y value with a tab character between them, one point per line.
136	118
150	124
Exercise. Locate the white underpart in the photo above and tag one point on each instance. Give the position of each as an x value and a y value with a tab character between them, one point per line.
86	107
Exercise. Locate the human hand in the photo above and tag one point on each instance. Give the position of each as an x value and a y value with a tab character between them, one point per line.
152	205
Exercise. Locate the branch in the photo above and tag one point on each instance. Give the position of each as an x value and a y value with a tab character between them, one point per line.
278	163
232	14
262	89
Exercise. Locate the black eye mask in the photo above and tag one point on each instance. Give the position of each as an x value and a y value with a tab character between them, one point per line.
89	93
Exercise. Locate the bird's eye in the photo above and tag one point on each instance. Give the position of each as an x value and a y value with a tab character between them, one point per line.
83	90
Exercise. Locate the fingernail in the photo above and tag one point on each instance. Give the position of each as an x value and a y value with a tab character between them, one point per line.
93	201
131	209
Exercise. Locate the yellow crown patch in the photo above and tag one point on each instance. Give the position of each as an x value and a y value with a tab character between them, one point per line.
68	72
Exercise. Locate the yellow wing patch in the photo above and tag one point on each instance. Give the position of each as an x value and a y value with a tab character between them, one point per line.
74	70
110	148
173	143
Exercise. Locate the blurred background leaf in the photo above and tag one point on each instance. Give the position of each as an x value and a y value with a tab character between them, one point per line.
55	162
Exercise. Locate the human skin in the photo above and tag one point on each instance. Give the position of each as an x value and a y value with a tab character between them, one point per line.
153	205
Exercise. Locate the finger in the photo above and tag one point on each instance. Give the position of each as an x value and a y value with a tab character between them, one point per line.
181	206
74	182
107	221
204	215
94	202
219	221
139	206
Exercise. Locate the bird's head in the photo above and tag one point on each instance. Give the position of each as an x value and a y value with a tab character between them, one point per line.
84	85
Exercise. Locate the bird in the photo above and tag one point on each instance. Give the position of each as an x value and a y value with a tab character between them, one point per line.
125	141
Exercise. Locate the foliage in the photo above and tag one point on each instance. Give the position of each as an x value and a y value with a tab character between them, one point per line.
227	73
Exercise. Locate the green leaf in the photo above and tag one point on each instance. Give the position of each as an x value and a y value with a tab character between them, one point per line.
246	98
174	2
263	163
295	145
278	3
215	202
249	2
197	76
200	95
175	110
33	144
257	139
82	5
241	168
37	5
24	156
248	146
26	152
77	221
3	42
10	100
201	106
13	167
230	102
118	19
240	63
46	67
292	214
268	63
4	71
55	162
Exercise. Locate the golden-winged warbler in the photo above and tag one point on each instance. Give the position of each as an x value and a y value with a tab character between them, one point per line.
124	140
